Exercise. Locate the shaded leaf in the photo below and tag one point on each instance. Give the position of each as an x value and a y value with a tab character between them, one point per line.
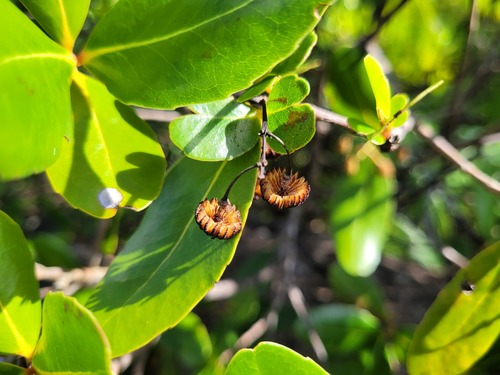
71	342
380	88
292	122
112	149
218	131
36	115
462	324
269	358
361	217
8	369
361	291
53	251
145	61
169	263
343	329
61	19
20	313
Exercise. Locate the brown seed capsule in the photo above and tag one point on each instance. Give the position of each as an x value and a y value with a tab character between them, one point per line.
218	219
283	190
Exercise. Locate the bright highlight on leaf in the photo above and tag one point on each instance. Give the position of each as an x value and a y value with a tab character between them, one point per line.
380	87
20	314
112	149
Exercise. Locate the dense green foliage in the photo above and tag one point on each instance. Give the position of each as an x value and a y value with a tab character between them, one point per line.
69	77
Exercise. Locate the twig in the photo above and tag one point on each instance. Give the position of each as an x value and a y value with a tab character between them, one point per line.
451	153
70	281
454	256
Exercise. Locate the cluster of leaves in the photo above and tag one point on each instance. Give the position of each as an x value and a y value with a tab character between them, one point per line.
67	108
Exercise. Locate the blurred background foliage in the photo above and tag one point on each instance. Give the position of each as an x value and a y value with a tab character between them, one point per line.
365	322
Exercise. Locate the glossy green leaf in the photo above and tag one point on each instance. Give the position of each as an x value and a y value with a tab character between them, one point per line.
34	96
463	322
169	263
344	329
113	149
61	19
8	369
398	103
380	88
20	313
72	341
292	122
269	358
168	53
361	217
218	131
298	57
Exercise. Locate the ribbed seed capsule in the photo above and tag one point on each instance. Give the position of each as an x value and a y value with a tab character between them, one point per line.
284	190
218	219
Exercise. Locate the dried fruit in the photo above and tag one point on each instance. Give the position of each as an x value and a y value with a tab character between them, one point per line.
284	190
218	219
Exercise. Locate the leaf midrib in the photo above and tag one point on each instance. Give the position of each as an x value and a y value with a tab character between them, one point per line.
91	54
174	247
43	55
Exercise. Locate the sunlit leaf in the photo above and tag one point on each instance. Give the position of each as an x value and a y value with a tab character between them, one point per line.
169	263
168	54
361	214
71	342
380	88
292	122
398	103
20	313
34	96
463	322
62	19
219	130
258	88
365	129
269	358
112	149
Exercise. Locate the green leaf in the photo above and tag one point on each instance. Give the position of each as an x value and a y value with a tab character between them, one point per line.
292	122
169	263
344	329
366	129
218	131
53	251
113	149
399	103
36	114
462	324
380	88
168	54
361	214
298	57
361	291
71	342
20	313
8	369
189	342
269	358
61	19
257	89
